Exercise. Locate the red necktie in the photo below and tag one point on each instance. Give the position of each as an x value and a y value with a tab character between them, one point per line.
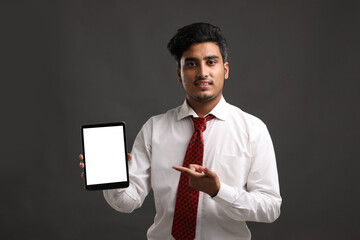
187	199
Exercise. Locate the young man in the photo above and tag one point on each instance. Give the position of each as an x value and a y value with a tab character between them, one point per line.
211	166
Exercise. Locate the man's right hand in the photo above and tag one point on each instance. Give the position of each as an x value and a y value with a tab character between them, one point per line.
82	165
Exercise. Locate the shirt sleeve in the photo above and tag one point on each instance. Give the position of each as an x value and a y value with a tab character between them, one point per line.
128	199
259	200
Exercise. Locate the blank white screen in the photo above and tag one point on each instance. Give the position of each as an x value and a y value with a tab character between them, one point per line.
104	155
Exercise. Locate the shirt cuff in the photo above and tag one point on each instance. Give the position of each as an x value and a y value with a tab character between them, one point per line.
226	195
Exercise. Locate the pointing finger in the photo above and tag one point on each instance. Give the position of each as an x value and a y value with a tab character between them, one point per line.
182	169
187	171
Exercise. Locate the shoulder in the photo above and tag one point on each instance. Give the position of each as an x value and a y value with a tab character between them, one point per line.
238	114
246	122
169	115
158	123
163	119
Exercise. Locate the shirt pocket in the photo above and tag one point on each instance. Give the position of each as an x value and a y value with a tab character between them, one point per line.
232	170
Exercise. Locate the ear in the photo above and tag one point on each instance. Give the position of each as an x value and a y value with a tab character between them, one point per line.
178	73
226	70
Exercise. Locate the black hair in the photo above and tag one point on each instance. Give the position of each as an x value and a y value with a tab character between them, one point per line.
196	33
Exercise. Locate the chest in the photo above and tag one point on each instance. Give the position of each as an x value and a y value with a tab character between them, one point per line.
227	151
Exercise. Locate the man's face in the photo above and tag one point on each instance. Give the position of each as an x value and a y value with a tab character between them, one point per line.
202	72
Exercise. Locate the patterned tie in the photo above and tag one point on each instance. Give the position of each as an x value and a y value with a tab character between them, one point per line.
187	199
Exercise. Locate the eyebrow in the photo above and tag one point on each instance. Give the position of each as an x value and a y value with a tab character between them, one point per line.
211	57
205	58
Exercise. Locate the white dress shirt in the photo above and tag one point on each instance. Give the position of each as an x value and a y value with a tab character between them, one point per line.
238	148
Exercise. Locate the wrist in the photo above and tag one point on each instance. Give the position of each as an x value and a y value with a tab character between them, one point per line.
213	193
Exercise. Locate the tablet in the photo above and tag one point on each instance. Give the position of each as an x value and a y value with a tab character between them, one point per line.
105	156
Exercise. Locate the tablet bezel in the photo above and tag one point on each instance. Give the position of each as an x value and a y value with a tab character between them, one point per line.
110	185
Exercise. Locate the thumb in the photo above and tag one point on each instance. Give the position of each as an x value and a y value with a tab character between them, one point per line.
209	173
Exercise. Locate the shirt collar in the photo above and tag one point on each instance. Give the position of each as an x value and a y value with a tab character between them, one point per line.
220	111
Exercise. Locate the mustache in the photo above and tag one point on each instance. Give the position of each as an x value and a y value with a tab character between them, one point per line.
203	79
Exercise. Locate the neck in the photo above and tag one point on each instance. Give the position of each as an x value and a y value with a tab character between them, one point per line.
203	108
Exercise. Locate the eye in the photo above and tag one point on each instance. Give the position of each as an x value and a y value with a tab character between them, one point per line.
190	64
212	62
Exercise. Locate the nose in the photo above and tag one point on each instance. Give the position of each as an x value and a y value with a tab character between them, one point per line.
203	71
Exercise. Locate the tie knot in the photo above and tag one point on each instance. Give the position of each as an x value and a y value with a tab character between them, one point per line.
200	123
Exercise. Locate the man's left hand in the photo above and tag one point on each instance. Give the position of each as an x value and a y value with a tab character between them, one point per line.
202	179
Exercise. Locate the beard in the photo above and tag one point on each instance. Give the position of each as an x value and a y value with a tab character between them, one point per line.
205	98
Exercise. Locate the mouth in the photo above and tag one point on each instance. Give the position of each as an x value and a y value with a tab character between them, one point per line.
203	83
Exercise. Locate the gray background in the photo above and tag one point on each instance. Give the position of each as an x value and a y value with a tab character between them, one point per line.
294	64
